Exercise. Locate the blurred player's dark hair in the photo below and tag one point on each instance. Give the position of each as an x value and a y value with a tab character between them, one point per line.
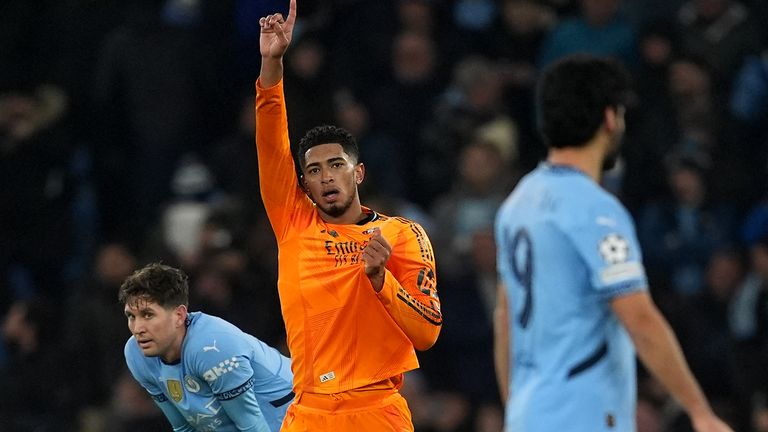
159	283
573	94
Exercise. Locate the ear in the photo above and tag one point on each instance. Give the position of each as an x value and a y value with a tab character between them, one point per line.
610	118
359	173
180	315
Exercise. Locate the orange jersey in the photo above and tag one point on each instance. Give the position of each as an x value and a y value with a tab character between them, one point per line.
342	335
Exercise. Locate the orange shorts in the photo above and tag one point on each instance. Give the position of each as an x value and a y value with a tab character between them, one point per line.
382	411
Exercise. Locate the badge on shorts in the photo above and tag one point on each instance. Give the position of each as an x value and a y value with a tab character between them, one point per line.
174	388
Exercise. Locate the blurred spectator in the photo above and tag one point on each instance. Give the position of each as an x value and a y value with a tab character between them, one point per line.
403	104
36	392
652	129
473	98
226	288
131	409
702	324
755	225
748	107
417	16
644	12
599	29
678	234
309	88
38	189
93	310
690	85
483	182
156	96
749	323
521	30
360	35
760	415
720	32
749	100
233	162
473	23
380	151
466	342
435	411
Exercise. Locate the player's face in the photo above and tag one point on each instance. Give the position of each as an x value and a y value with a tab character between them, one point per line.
617	135
158	331
331	177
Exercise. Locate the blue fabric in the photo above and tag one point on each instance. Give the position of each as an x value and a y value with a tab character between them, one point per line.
224	382
566	247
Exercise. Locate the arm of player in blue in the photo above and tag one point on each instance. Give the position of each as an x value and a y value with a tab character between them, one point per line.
608	243
177	420
230	375
244	410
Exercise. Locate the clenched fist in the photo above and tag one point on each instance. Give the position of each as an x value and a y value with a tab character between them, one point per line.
375	256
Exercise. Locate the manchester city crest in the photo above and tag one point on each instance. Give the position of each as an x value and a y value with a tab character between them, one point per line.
191	384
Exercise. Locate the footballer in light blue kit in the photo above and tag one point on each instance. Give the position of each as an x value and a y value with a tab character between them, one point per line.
573	303
204	373
573	360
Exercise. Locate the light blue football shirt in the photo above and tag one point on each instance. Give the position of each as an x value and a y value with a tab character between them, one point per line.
225	381
566	247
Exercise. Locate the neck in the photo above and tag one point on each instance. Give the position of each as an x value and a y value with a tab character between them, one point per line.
588	159
174	352
353	214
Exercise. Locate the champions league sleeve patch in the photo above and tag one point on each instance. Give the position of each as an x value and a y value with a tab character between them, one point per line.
614	249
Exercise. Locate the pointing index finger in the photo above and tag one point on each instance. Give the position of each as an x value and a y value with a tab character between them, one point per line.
291	13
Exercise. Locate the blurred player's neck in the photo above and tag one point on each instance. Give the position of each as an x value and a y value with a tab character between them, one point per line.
588	158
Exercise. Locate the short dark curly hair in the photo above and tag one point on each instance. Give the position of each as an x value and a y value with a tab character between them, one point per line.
327	134
573	94
158	283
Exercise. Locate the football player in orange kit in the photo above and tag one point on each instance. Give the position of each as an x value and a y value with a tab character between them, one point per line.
357	288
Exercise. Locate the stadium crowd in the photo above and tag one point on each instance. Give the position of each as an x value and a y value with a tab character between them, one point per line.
127	136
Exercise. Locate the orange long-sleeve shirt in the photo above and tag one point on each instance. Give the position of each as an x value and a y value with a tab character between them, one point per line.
341	334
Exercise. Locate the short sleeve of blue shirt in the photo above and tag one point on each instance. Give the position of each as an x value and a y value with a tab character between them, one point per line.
605	238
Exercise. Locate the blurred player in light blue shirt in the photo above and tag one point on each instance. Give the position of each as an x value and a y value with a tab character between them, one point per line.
204	373
573	297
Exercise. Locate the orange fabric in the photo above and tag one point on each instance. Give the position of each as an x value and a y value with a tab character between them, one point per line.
341	334
382	412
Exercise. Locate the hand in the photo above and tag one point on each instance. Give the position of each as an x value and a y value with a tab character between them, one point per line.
276	33
709	423
375	256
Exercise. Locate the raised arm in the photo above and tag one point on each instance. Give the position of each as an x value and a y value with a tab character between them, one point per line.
660	352
276	35
277	175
